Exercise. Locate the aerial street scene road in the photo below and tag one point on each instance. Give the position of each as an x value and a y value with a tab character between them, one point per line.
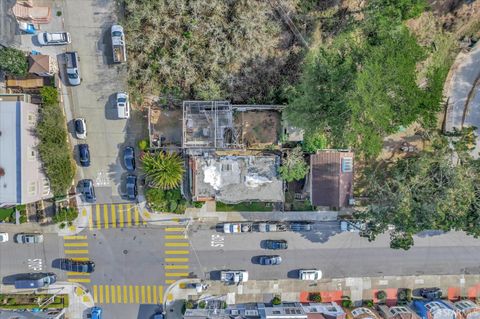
242	159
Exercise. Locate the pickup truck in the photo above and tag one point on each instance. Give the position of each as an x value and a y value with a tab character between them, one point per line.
234	276
232	228
73	74
118	44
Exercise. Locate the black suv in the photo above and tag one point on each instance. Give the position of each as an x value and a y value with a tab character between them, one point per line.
430	293
77	266
84	154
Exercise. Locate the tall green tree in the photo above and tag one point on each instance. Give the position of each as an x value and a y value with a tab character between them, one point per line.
13	61
163	170
294	167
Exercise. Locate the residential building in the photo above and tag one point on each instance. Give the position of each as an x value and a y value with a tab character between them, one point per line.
11	314
234	179
436	309
21	176
468	309
364	313
41	65
397	312
328	310
26	10
331	178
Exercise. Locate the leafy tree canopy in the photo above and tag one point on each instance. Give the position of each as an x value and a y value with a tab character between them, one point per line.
294	167
163	170
13	61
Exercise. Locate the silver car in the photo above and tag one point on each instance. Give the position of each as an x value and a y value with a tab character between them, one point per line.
53	38
29	238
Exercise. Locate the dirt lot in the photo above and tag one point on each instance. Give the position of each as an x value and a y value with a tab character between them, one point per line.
259	128
166	124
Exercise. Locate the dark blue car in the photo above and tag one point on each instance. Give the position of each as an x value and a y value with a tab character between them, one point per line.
270	260
131	187
276	244
129	158
87	190
84	154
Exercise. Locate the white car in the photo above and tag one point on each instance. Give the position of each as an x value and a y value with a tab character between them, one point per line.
81	128
3	237
310	274
53	38
123	105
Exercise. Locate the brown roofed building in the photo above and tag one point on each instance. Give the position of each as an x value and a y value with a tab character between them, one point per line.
331	178
397	312
41	65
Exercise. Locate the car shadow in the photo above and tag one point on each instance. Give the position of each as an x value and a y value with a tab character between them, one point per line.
110	108
10	280
293	274
215	275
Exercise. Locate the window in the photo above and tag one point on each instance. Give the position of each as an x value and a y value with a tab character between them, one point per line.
32	188
347	165
31	154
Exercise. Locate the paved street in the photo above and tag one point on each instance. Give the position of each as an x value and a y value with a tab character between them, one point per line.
89	22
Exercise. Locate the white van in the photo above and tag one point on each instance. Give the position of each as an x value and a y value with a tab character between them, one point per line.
123	105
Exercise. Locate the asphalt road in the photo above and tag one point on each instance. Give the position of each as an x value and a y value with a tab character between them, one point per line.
336	254
89	22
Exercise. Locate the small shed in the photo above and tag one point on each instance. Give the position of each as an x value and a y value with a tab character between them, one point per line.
41	65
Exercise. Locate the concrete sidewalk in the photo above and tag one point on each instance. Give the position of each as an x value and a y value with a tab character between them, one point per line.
358	289
80	298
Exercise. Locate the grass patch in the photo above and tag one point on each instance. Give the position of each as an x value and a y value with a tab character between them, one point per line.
244	207
6	213
32	301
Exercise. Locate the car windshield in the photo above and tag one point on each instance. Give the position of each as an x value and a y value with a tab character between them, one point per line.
117	33
73	75
121	100
45	37
79	126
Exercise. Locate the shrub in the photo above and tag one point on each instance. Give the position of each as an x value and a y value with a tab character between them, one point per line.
13	61
315	297
368	303
381	295
189	304
346	303
294	167
276	300
313	142
163	170
202	304
65	214
166	200
62	225
143	145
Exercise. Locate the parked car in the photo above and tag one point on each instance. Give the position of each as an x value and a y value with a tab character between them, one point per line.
129	158
3	237
81	128
76	265
88	190
35	280
301	226
96	313
430	293
131	186
276	244
270	260
84	154
158	316
53	38
29	238
73	72
123	105
271	227
310	274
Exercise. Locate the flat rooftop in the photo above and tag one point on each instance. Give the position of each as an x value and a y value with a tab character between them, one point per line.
234	179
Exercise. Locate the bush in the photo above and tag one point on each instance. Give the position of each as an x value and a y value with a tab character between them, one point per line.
368	303
62	226
294	167
346	303
313	142
143	145
276	300
13	61
404	294
65	214
163	170
189	304
53	147
381	295
166	200
315	297
202	304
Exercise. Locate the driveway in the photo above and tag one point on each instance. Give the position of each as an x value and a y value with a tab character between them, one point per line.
89	22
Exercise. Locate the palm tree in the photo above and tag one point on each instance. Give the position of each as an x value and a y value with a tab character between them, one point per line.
163	170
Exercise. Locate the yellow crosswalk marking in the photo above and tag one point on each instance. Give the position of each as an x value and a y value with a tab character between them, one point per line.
113	294
176	244
160	294
176	274
177	260
107	294
95	293
125	300
137	294
143	294
72	252
105	216
154	289
100	295
114	216
81	258
97	210
75	244
120	210
177	252
87	280
119	293
174	229
130	290
149	295
174	236
170	281
176	266
72	273
74	237
90	220
129	216
137	218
